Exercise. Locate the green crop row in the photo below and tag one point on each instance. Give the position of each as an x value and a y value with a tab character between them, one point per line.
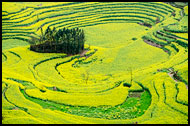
178	41
165	38
176	28
171	102
156	90
177	97
173	46
166	50
4	57
40	18
23	39
97	112
144	4
148	37
172	35
182	43
46	12
48	60
29	15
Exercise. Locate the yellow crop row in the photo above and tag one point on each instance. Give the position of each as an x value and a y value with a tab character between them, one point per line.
15	96
186	10
183	93
170	96
18	116
111	97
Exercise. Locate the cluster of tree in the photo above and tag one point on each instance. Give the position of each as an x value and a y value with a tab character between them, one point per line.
69	41
178	4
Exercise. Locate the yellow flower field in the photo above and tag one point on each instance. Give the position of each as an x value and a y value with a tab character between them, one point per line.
134	72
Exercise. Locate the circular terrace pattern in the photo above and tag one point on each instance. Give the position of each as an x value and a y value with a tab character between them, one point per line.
56	88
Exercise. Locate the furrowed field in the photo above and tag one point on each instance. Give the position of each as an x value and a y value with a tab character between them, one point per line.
136	69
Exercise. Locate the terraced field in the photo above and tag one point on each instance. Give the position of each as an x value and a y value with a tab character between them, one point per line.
126	76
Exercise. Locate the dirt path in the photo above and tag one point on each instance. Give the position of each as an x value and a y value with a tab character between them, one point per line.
83	53
171	75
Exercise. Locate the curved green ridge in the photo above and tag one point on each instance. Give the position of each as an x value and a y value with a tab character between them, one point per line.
130	107
96	7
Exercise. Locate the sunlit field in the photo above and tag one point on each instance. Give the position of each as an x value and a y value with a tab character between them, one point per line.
134	72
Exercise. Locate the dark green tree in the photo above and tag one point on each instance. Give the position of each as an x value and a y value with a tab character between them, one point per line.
70	41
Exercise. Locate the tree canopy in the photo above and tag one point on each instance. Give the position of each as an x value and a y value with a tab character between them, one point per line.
69	41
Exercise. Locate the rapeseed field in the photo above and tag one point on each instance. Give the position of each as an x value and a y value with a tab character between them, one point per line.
135	69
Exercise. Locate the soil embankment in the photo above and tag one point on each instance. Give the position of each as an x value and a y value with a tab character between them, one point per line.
152	43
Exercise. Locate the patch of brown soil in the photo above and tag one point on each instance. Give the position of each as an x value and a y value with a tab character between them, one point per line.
83	53
145	24
171	75
16	108
170	36
135	94
152	43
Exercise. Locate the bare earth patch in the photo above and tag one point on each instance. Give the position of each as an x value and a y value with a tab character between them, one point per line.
152	43
171	75
83	53
135	94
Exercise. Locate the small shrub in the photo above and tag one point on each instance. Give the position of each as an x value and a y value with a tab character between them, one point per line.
126	85
134	39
